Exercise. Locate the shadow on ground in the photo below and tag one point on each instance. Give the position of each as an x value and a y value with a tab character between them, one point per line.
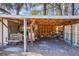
46	47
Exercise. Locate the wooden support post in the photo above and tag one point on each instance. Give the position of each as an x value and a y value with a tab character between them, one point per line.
56	29
31	38
31	32
76	34
63	31
25	35
2	34
71	35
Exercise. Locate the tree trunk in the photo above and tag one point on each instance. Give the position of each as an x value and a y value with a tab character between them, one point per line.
45	8
73	8
58	10
66	9
18	7
61	9
54	10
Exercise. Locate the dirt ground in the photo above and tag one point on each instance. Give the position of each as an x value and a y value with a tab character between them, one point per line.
46	47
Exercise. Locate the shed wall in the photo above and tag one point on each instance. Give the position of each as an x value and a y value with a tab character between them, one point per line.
5	32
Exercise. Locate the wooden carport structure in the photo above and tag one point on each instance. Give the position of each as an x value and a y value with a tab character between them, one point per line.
41	21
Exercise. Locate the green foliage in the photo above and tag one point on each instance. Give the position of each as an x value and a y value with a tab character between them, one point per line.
48	8
34	12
